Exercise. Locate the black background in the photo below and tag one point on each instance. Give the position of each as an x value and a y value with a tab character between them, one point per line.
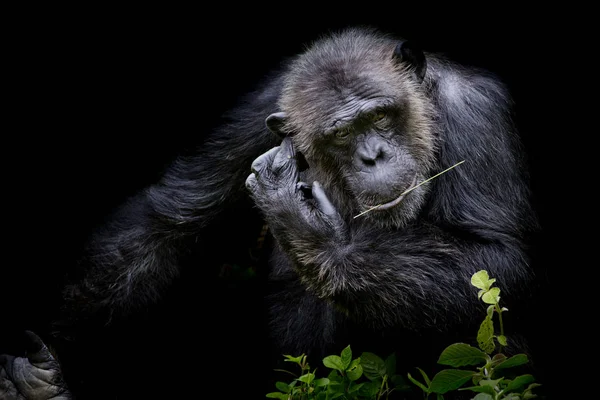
104	99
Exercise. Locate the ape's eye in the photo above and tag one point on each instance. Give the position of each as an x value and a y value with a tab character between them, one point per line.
378	116
342	133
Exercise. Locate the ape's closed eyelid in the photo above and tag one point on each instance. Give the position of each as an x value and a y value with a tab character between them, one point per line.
341	133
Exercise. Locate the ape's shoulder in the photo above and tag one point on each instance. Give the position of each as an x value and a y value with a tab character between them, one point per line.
456	85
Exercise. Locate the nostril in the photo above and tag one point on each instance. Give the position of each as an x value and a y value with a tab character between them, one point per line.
368	162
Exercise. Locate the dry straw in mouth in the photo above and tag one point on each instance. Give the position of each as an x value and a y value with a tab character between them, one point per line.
414	187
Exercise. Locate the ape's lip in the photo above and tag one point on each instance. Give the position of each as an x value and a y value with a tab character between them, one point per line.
396	201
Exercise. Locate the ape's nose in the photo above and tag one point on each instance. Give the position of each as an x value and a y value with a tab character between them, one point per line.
372	152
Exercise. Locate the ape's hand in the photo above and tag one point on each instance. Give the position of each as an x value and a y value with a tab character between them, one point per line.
276	190
34	377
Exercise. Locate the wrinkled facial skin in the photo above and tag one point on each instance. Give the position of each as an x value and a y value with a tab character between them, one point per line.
370	152
367	140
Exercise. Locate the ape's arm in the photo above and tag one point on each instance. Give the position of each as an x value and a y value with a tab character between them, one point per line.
135	255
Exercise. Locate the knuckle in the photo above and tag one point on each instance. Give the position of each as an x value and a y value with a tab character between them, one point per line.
251	182
260	164
257	165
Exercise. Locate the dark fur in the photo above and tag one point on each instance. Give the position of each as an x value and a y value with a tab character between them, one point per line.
410	266
379	282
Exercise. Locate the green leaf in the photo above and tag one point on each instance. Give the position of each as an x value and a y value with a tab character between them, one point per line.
373	366
461	354
481	280
353	364
419	384
297	360
334	362
492	296
424	375
483	396
321	382
517	359
346	357
519	382
501	339
335	377
497	359
477	378
354	373
390	364
490	311
369	390
480	389
283	387
528	394
335	390
485	335
490	382
307	378
449	379
278	395
355	387
400	383
533	386
481	293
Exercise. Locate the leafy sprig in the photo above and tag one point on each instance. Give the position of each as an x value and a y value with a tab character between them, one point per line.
370	377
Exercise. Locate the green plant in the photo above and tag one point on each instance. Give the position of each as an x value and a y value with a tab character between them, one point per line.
365	377
370	377
489	379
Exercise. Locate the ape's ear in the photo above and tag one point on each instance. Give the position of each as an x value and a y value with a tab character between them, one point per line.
275	123
408	53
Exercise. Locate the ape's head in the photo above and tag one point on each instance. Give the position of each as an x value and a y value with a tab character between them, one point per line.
357	110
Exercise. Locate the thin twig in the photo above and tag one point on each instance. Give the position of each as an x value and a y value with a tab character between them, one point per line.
414	187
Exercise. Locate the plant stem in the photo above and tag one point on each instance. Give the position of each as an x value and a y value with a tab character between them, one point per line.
381	388
500	319
499	310
286	371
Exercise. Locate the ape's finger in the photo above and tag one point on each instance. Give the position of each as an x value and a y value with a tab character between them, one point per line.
285	159
7	388
287	146
284	165
37	351
251	182
262	164
322	201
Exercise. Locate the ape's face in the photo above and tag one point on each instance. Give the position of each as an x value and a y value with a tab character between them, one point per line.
364	126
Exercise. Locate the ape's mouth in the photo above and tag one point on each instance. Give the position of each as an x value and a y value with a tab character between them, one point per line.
396	201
